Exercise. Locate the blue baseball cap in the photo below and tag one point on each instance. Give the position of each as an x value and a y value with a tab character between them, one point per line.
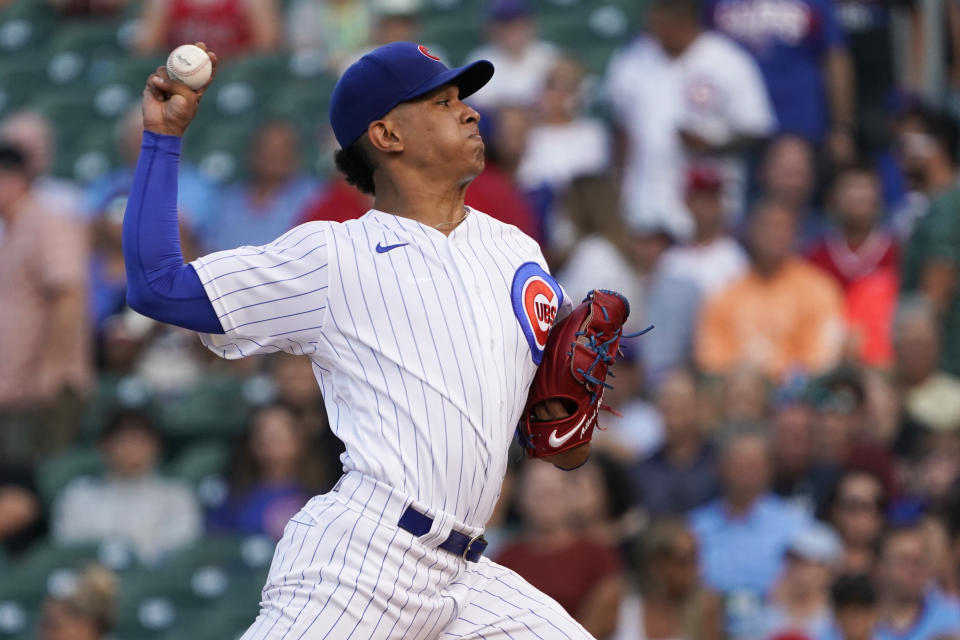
389	75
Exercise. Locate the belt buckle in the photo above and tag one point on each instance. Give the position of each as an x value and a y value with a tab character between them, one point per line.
466	549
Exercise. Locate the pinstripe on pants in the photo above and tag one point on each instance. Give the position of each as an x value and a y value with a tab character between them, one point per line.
344	570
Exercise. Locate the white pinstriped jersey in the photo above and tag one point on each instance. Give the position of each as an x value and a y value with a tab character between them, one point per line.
424	345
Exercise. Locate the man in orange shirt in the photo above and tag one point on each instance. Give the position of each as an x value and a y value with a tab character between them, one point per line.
783	315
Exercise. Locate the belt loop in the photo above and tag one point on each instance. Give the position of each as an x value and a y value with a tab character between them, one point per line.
440	531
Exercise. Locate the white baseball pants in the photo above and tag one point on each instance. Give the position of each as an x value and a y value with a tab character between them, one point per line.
344	570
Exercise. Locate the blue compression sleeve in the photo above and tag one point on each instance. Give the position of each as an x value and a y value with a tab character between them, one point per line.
159	284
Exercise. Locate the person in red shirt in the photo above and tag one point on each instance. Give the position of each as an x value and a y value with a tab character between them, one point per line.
864	259
337	201
575	569
857	245
229	27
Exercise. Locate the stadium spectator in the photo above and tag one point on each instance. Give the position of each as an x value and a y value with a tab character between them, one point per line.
638	431
931	396
44	336
911	606
132	502
22	520
108	274
864	259
561	126
86	611
602	506
743	534
522	60
760	320
581	574
745	396
33	134
856	245
495	191
667	599
596	244
929	143
856	508
195	194
272	475
298	391
798	476
712	258
787	174
800	49
869	26
229	27
671	303
681	93
843	428
854	599
800	601
269	203
88	8
682	473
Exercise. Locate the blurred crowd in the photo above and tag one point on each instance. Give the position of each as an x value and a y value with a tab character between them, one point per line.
769	182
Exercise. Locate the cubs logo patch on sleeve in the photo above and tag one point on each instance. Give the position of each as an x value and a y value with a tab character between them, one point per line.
536	299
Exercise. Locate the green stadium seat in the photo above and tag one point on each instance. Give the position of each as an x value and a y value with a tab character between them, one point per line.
90	37
200	460
44	568
25	25
214	407
57	472
262	71
17	619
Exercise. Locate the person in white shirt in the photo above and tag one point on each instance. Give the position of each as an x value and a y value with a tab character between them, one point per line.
564	143
132	502
712	258
522	61
677	93
599	247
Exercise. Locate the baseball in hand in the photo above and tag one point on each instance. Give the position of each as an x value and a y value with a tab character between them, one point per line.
190	65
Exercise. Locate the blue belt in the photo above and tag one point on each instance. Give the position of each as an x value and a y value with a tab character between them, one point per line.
470	549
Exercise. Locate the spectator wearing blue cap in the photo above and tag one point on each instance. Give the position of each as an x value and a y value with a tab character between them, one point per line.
523	61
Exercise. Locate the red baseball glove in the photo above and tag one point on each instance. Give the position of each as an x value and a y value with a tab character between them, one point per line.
573	371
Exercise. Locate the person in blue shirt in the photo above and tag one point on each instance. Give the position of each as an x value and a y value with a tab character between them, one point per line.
195	193
273	474
912	607
744	533
800	49
272	199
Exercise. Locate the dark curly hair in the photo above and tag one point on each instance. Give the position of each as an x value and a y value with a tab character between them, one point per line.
355	164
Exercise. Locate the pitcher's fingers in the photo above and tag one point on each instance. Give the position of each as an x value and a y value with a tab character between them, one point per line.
155	85
167	84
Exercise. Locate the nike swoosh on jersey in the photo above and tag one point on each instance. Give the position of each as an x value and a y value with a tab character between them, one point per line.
560	441
383	249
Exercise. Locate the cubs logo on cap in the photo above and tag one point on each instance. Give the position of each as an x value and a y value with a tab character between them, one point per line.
536	299
427	53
